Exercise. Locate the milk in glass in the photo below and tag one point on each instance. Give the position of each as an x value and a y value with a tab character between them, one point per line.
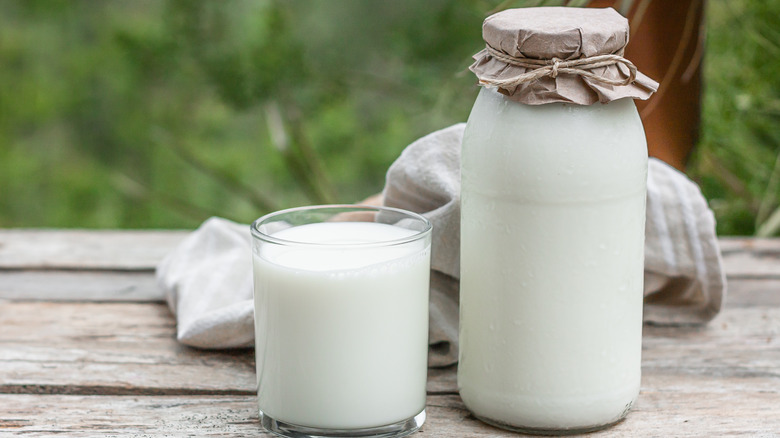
342	325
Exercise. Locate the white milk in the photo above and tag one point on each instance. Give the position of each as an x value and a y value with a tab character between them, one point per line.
342	333
552	238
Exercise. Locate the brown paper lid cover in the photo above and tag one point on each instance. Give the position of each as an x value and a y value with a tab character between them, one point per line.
550	37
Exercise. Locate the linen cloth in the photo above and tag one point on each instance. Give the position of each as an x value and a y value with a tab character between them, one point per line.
208	279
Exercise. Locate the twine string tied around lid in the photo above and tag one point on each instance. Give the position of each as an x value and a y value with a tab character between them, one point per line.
553	67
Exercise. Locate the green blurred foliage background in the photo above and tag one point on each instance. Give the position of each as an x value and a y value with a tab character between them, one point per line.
161	113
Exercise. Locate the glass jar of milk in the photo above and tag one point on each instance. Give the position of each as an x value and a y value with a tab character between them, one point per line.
554	166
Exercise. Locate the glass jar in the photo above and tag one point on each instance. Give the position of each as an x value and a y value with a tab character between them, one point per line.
552	251
341	320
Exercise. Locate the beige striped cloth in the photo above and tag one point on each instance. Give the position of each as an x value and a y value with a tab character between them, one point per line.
208	278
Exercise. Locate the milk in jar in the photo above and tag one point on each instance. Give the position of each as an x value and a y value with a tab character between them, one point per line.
552	244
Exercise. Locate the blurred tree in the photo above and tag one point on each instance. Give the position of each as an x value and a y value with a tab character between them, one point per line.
160	113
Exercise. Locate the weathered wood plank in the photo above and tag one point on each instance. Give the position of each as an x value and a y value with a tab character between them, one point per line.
116	369
109	348
45	285
751	258
742	342
85	249
129	348
119	348
142	287
55	285
142	250
750	292
91	416
657	413
734	244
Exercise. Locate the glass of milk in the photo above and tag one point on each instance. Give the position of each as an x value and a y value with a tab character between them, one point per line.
341	320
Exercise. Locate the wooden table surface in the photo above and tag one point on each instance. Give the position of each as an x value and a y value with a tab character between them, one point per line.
87	348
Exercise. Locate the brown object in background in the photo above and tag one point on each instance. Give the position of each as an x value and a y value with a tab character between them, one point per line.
667	44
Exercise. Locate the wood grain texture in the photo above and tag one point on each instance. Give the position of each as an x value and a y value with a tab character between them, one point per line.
751	292
147	416
129	348
142	250
121	348
140	286
750	258
657	413
110	348
87	348
55	285
81	249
